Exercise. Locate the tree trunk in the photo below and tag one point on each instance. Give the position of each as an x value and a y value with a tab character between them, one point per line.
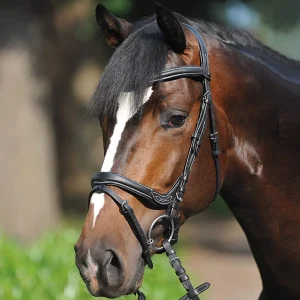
28	190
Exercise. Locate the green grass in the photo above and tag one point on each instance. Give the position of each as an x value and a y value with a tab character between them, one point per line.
47	271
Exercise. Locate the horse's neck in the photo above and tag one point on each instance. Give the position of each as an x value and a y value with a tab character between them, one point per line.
261	183
263	120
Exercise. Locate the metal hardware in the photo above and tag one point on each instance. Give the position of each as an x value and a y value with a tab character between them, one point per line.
171	226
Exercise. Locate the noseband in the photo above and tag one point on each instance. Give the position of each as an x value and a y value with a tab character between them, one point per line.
169	201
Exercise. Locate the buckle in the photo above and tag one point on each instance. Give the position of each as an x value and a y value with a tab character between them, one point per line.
206	98
214	138
123	206
178	196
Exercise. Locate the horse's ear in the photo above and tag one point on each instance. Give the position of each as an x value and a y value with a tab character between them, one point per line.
115	30
170	26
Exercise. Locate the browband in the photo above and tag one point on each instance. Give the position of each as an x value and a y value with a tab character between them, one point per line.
194	72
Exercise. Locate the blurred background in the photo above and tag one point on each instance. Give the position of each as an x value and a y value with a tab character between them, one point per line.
51	58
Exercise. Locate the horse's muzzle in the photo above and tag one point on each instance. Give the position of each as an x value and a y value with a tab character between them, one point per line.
102	270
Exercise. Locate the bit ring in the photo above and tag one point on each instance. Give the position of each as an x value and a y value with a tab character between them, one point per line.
171	225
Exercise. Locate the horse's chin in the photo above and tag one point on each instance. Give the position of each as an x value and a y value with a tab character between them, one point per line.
114	293
138	278
109	293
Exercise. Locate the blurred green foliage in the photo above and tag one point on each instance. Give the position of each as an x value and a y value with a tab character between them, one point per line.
273	12
118	7
281	15
47	271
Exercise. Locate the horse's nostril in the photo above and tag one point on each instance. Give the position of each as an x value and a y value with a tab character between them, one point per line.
113	269
115	262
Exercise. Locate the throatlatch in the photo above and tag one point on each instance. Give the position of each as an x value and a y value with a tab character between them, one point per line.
169	201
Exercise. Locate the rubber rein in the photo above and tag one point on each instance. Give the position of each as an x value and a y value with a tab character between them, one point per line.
169	201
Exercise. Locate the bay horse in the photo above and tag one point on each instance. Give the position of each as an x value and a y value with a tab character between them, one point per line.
154	92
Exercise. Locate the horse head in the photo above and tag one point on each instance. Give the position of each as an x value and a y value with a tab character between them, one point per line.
153	103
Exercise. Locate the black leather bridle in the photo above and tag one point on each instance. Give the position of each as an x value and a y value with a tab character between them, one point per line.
169	201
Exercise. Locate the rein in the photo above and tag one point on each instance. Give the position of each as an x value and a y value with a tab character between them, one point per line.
169	201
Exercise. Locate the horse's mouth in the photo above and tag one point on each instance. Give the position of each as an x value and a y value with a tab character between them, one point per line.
96	290
112	294
89	286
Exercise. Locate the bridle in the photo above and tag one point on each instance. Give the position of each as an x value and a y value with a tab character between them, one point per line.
169	201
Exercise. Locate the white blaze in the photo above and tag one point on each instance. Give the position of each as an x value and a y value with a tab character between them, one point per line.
98	201
124	113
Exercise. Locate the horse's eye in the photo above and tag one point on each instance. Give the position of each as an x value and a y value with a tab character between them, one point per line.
176	121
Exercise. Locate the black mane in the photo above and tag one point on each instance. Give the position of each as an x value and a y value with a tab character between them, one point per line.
131	68
144	54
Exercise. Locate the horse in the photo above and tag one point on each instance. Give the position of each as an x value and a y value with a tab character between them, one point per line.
167	75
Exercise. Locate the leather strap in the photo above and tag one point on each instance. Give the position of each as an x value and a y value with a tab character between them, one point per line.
145	194
194	72
192	293
129	215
